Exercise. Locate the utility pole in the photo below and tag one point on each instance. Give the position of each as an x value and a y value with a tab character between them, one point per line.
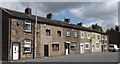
35	34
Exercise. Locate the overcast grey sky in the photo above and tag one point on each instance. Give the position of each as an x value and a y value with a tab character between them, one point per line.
103	13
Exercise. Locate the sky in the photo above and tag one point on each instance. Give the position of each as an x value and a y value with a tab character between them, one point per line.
104	14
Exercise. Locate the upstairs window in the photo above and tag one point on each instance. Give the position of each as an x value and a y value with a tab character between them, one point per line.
98	36
27	45
82	35
68	33
75	34
105	37
58	33
93	36
88	35
73	46
27	26
47	32
55	47
102	37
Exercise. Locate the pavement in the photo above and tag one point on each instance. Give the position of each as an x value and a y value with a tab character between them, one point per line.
87	57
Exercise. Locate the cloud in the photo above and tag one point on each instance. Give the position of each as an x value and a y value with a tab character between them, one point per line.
105	13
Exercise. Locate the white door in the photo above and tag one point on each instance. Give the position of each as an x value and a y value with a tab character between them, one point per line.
92	48
81	48
15	51
66	49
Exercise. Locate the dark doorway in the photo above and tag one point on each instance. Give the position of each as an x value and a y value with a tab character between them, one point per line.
102	48
46	51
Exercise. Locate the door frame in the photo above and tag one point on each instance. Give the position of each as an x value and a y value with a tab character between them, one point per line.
83	48
48	50
68	47
19	55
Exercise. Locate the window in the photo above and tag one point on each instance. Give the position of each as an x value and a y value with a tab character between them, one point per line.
105	46
87	46
75	34
82	35
98	37
55	47
97	45
47	32
59	33
27	26
102	37
73	46
67	33
105	37
93	36
88	35
27	45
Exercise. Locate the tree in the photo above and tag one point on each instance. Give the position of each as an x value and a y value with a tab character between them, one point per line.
108	30
97	27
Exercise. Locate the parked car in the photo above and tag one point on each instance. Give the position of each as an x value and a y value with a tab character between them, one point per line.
113	48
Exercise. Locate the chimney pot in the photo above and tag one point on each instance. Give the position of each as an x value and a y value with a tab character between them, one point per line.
80	24
50	15
67	20
28	10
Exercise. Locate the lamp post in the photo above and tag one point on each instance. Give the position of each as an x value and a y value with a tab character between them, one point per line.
35	34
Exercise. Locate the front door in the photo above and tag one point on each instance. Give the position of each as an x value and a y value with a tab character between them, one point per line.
46	51
81	48
93	48
66	48
102	48
15	51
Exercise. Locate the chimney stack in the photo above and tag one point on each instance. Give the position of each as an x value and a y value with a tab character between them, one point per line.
50	15
67	20
116	28
28	10
80	24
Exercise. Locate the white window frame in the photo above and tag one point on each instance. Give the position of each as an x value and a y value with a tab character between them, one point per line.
93	36
83	35
27	43
75	34
97	37
102	37
105	37
106	46
88	45
68	33
73	44
96	45
29	23
88	36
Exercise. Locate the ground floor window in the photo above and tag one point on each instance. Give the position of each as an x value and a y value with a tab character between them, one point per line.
105	46
55	47
27	45
97	45
73	46
87	46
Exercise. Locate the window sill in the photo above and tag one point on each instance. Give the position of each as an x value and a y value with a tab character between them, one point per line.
27	31
87	48
27	53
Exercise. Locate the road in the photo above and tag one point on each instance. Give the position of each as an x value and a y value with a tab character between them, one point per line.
88	57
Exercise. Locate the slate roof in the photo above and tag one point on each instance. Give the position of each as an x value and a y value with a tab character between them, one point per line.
22	15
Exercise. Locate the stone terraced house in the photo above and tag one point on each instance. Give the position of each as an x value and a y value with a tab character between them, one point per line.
54	37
